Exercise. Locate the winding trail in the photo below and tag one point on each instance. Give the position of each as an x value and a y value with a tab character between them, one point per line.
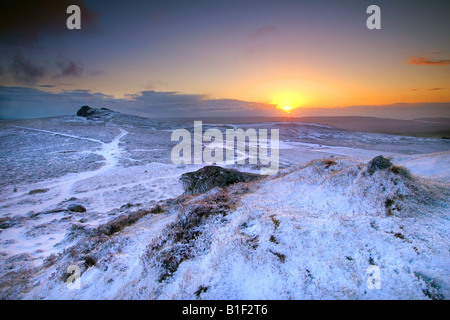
60	134
61	189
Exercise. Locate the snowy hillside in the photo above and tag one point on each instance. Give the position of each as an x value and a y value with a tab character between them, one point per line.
102	194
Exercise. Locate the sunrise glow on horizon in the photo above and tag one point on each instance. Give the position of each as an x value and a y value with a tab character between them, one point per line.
287	101
283	56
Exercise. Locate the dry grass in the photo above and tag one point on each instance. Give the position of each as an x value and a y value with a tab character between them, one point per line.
275	221
273	239
37	191
119	223
180	239
200	290
90	261
82	252
280	256
402	171
329	162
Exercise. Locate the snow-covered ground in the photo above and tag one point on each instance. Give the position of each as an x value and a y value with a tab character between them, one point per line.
313	231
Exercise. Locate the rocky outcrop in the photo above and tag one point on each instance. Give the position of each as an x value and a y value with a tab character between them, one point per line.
76	208
378	163
209	177
88	112
83	111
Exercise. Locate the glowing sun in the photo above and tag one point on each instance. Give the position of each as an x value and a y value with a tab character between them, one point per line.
285	108
287	101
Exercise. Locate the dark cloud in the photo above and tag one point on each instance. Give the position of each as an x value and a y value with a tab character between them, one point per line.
22	21
26	71
157	103
158	98
174	104
26	25
232	107
69	68
87	96
427	61
152	84
21	102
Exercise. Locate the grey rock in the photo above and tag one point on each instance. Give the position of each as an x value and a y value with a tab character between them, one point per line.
90	113
84	111
76	208
5	224
209	177
378	163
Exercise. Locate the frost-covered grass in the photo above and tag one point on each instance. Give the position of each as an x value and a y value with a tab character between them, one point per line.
313	234
310	232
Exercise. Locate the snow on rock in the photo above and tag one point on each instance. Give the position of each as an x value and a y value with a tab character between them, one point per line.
209	177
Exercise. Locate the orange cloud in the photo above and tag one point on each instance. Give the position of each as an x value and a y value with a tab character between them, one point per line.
426	61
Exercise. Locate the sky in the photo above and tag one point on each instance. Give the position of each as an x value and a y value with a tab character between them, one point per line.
226	58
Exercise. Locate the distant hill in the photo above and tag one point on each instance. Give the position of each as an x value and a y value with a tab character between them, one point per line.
430	127
423	127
